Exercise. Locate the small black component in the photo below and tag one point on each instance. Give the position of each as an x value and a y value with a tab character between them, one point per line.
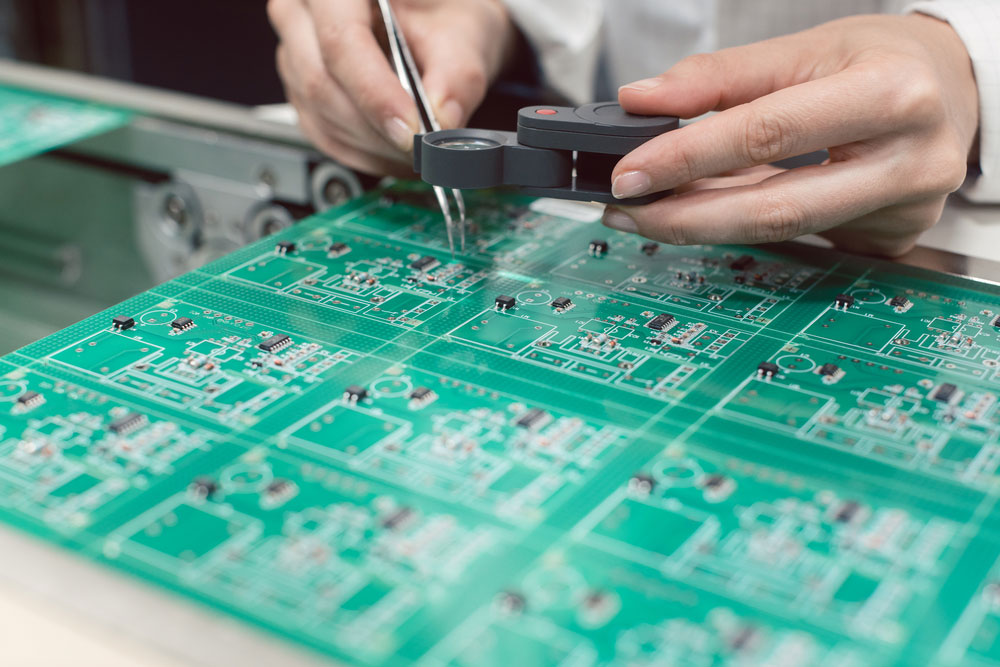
650	248
661	322
30	399
337	249
828	370
275	343
561	303
204	487
122	322
766	369
182	324
355	393
899	301
741	263
397	518
532	419
946	392
420	394
424	263
847	511
642	482
125	425
996	322
511	602
504	302
598	247
714	481
844	301
284	247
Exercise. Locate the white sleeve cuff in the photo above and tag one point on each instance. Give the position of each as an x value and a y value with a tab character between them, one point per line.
566	35
977	22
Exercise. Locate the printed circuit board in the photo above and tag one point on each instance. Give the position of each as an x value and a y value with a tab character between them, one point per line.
564	446
32	123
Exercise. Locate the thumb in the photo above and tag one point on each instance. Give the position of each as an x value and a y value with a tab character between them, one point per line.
716	81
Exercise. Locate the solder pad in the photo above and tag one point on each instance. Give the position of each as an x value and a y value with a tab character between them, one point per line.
423	473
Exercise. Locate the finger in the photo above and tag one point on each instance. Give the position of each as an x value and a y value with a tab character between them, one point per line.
887	232
806	117
307	80
349	156
799	201
353	58
453	78
731	179
726	78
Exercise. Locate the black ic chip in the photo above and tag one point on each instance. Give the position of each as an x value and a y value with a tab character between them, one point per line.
946	392
767	369
827	370
533	418
355	393
661	322
642	482
122	322
30	399
650	248
204	487
125	425
598	247
420	394
275	343
182	324
504	302
284	247
337	249
741	263
899	301
843	301
561	303
424	263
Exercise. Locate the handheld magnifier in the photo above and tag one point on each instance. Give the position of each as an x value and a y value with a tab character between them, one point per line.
561	152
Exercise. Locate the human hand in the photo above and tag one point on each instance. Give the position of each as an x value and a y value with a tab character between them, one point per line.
349	99
893	99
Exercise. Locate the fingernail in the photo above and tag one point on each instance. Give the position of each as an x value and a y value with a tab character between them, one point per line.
399	133
449	114
631	184
642	85
616	219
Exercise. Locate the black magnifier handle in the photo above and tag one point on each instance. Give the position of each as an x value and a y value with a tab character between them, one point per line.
562	152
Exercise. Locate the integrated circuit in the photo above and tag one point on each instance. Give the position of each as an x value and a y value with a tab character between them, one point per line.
355	393
182	324
30	399
598	248
127	424
504	302
284	248
767	370
562	303
425	263
742	263
843	301
661	322
275	343
337	249
650	248
533	419
946	392
122	322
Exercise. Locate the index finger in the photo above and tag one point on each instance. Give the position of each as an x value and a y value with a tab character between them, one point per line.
806	117
355	60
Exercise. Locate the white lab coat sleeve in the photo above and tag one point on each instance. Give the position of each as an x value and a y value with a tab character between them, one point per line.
977	22
566	35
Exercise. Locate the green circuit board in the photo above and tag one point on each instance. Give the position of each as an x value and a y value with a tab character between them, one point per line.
32	123
560	447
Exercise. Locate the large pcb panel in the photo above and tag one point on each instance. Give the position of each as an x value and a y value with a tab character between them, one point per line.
564	446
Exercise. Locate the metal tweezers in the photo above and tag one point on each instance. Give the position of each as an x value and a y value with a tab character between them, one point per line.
409	76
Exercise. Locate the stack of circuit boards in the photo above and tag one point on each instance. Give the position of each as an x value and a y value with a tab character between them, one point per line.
564	447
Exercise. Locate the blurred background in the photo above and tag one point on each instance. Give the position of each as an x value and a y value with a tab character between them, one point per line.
173	44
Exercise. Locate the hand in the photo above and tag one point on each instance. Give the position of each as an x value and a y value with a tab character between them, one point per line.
349	99
893	99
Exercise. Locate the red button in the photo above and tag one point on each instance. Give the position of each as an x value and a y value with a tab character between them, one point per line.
546	112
